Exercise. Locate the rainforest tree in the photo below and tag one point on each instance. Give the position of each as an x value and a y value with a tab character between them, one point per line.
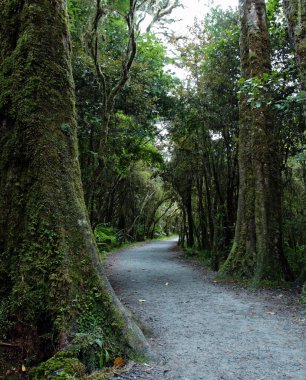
111	39
257	250
204	129
50	289
133	136
204	133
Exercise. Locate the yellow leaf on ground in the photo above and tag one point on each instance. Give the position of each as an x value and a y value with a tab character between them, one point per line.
119	362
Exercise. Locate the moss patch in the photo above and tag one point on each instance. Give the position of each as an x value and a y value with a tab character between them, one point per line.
60	368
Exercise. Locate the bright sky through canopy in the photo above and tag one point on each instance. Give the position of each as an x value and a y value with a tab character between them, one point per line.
196	8
193	9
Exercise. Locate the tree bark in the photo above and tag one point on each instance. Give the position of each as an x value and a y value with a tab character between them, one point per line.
48	259
257	251
295	11
188	207
202	220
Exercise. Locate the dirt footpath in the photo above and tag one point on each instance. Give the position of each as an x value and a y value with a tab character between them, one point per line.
203	330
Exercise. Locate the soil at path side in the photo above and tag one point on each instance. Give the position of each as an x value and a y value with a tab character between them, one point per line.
203	330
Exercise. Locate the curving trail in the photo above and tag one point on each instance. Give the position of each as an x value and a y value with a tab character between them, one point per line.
203	330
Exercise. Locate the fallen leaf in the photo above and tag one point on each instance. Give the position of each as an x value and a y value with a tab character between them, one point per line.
119	362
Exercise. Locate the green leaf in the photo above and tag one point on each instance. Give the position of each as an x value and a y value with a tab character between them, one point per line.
99	342
101	361
106	356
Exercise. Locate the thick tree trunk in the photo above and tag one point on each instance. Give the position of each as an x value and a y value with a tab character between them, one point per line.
47	252
257	249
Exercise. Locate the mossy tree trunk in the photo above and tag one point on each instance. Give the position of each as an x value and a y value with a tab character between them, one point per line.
257	251
48	280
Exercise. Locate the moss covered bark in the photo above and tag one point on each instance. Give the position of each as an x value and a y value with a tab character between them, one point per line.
257	251
48	282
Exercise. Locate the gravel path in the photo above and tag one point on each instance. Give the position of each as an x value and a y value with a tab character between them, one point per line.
203	330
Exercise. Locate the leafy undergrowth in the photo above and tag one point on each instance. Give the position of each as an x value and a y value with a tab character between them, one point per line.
107	238
60	367
88	357
110	239
297	260
204	258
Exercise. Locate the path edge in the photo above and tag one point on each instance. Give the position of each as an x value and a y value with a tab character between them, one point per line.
137	344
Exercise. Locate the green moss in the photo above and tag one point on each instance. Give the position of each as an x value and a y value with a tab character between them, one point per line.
240	263
60	368
87	352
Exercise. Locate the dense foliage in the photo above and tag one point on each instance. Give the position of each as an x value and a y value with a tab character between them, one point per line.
138	187
204	134
120	159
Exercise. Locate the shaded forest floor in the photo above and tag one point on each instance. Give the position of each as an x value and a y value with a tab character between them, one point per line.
201	329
